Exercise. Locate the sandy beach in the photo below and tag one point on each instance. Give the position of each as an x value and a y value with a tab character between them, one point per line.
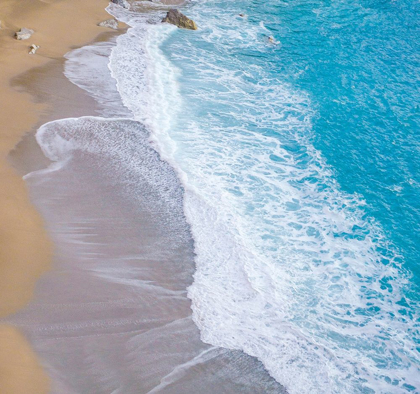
227	209
25	248
100	282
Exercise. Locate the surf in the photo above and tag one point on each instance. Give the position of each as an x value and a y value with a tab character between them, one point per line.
290	268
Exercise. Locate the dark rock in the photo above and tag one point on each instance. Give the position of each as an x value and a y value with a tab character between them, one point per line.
122	3
176	18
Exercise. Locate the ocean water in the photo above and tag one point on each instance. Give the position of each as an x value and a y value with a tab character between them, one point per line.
300	164
299	159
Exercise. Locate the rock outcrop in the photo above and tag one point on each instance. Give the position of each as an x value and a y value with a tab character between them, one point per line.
111	23
176	18
34	48
122	3
24	34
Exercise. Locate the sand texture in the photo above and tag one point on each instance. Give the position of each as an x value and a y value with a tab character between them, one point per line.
25	250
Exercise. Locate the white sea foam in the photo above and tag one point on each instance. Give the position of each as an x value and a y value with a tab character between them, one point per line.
124	142
289	268
87	68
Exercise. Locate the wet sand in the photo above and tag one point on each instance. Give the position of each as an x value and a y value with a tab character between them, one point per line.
111	314
25	247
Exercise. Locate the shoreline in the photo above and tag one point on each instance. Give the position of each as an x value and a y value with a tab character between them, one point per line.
113	313
26	248
135	249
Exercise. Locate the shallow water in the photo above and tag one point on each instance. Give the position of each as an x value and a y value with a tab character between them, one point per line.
299	161
113	315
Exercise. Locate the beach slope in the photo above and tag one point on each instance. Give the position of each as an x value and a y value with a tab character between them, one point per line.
25	250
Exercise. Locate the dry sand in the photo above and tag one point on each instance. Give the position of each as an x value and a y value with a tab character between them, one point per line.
25	250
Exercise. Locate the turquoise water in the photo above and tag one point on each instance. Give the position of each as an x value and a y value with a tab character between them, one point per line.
299	158
360	65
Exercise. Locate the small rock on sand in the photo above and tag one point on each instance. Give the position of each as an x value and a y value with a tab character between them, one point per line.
111	23
176	18
24	34
33	50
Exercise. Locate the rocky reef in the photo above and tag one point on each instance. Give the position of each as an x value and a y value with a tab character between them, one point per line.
178	19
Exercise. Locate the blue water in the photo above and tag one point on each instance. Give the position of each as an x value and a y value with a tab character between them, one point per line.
300	160
360	66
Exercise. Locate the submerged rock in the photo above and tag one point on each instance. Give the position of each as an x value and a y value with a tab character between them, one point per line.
111	23
176	18
24	34
122	3
34	48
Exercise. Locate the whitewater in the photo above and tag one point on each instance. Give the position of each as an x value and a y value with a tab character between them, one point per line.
291	267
